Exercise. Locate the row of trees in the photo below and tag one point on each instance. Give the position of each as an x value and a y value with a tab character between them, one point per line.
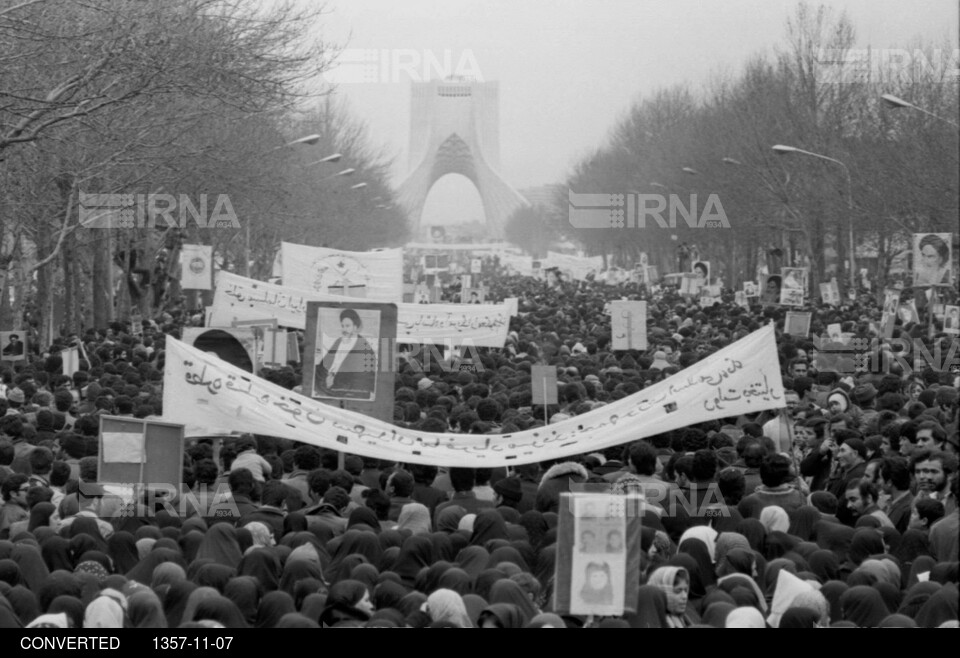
190	98
815	94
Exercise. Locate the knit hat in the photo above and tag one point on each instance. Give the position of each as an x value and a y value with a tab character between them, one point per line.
16	395
510	489
424	383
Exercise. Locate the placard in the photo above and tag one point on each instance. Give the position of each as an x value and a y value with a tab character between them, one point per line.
598	554
932	259
770	285
348	356
543	380
793	286
797	324
137	451
476	266
951	320
473	296
751	289
628	325
14	345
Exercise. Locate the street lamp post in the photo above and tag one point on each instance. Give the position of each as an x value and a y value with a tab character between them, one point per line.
894	102
781	149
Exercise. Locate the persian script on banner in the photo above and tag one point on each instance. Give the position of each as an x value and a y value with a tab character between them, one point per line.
211	396
372	275
240	298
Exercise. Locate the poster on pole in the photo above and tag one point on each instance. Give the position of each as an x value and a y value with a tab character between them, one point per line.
750	289
137	451
932	259
951	320
14	345
628	325
793	285
543	380
888	317
348	356
770	285
797	324
598	554
196	267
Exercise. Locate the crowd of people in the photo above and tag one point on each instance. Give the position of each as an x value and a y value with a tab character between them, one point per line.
838	510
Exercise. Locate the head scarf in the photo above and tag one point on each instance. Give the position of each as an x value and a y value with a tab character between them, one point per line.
24	603
143	572
175	602
728	541
71	606
788	588
144	546
754	531
863	606
445	605
193	601
262	535
774	519
799	618
9	572
865	542
546	620
508	591
123	550
802	521
415	554
507	554
221	545
364	516
56	553
33	570
940	608
715	614
448	520
488	525
473	560
745	618
388	594
244	591
214	575
219	609
414	517
294	571
52	620
696	549
263	565
897	621
705	534
145	610
103	612
506	615
651	608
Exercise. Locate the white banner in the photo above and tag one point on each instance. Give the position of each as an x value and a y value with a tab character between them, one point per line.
577	267
196	261
240	298
211	396
519	264
372	275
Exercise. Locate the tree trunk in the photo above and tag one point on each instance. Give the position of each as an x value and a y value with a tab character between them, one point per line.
102	279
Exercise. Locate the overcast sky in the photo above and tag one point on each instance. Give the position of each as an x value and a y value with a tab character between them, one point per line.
568	69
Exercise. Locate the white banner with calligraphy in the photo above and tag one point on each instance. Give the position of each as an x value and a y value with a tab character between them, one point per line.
240	298
211	396
577	267
372	275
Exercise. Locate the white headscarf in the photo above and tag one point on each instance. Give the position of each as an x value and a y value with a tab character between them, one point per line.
103	612
745	617
706	534
58	620
415	518
447	605
775	519
262	536
788	588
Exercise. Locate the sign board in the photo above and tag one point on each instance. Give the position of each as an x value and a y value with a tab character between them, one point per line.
137	451
598	554
348	356
628	325
543	379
